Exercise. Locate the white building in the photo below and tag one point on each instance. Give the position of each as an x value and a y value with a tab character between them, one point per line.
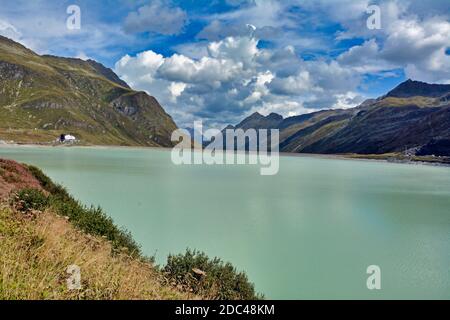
67	138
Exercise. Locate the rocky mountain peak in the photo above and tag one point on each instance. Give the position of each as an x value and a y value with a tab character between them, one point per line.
274	116
107	73
411	88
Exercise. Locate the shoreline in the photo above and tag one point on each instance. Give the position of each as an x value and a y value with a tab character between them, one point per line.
387	158
366	158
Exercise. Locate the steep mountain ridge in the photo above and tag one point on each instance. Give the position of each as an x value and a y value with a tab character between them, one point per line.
413	116
412	88
42	97
258	121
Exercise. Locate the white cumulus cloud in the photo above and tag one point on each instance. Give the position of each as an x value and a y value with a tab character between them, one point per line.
235	77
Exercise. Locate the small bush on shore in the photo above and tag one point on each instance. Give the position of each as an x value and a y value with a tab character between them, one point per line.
31	199
209	277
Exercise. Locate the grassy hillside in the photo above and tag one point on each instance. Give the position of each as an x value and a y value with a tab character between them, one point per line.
36	250
43	231
42	97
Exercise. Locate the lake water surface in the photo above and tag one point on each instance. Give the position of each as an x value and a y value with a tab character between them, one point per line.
309	232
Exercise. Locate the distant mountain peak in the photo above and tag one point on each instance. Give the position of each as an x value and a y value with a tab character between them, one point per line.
255	115
271	116
258	121
275	116
411	88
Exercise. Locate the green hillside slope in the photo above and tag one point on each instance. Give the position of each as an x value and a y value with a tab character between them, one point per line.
42	97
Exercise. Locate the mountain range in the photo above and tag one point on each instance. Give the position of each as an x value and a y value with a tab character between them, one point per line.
413	118
42	97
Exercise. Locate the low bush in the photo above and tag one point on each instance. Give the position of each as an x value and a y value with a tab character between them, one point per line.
31	199
46	183
211	278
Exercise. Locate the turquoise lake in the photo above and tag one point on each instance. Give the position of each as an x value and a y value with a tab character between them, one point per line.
308	232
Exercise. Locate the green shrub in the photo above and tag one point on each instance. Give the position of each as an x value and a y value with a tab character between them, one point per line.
209	277
46	183
88	219
95	222
31	199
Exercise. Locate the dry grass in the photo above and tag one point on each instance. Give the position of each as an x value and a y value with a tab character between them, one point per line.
35	251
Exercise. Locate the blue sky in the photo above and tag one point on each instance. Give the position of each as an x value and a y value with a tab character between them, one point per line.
221	60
